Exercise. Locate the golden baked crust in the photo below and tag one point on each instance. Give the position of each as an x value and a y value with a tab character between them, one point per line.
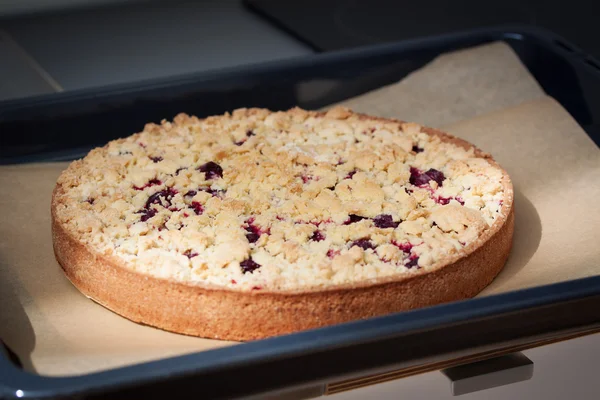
454	249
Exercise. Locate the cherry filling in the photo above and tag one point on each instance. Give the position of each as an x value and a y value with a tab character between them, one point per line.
317	236
249	265
250	133
417	149
190	254
419	178
90	200
211	170
150	183
363	243
353	218
385	221
156	159
178	170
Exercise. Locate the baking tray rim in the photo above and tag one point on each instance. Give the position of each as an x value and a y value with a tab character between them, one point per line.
18	383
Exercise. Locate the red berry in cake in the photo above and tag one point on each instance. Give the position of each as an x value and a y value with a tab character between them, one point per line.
197	207
405	247
332	253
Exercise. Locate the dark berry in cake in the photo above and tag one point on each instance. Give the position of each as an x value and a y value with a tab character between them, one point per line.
436	175
190	253
385	221
363	243
165	194
253	231
317	236
249	265
197	207
352	218
212	170
419	178
412	262
147	213
350	174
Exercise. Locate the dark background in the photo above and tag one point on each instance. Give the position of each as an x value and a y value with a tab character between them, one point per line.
337	24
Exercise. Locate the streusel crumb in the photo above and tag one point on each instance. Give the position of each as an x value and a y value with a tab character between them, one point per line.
259	200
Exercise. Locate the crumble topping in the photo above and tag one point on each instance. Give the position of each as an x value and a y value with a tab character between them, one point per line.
258	200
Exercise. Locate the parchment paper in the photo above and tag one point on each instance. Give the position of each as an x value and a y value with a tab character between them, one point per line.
554	165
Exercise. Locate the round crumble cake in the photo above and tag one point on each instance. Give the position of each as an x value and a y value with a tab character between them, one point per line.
259	223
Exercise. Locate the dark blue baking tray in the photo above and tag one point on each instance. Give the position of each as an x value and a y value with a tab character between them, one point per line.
65	126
